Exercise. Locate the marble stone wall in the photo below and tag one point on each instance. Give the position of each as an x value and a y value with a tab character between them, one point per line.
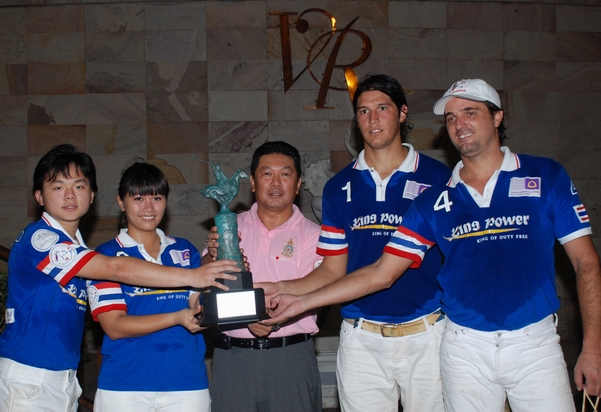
183	82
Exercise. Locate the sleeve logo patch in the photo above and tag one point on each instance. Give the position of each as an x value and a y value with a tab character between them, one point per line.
42	240
62	255
581	213
93	296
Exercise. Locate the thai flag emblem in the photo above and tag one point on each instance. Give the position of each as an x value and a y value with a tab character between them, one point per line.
581	213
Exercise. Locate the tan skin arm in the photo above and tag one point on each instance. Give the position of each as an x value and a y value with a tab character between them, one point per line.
369	279
135	271
584	258
117	324
331	269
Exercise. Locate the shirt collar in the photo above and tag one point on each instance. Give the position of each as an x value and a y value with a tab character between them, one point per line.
409	165
52	222
511	162
127	241
296	214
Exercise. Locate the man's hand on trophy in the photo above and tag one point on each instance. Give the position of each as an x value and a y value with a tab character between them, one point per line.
271	290
210	272
284	307
212	243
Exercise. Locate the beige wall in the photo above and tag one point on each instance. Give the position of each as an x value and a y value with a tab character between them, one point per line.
180	81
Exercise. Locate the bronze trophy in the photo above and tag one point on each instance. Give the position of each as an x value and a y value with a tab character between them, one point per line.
241	303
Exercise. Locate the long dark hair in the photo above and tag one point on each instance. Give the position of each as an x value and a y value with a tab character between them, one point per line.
391	88
142	179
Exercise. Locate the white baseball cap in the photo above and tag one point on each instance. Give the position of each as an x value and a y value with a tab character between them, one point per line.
471	89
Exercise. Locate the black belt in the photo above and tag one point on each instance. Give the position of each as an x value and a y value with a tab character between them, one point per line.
223	341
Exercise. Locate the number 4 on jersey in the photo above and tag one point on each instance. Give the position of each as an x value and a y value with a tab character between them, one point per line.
443	202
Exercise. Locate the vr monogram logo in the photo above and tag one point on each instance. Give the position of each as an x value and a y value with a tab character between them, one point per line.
318	48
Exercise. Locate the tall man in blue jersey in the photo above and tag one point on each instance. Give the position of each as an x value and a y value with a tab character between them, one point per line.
390	340
495	222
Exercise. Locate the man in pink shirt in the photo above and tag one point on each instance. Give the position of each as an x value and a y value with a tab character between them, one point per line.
258	367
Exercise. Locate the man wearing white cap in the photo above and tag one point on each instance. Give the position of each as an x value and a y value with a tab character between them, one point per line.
496	222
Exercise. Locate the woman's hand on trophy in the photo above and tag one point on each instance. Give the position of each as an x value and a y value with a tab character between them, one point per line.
210	272
188	319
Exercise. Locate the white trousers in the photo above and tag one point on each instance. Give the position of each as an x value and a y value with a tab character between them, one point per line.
480	368
176	401
25	388
373	371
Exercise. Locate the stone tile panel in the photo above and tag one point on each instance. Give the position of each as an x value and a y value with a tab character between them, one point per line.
528	17
115	77
237	75
122	47
13	201
12	21
237	137
526	135
529	75
372	14
312	136
177	76
176	16
56	48
236	44
13	79
57	109
474	44
579	77
174	138
11	170
42	138
531	105
55	19
238	106
578	163
475	16
527	45
177	107
13	110
66	78
182	168
115	17
419	73
418	43
491	70
580	135
578	18
14	140
116	108
235	15
417	14
291	105
13	49
579	106
108	139
175	46
578	47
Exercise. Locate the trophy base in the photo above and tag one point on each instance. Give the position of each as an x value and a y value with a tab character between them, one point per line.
238	306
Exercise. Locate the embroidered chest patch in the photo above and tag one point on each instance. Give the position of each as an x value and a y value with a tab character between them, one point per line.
288	249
